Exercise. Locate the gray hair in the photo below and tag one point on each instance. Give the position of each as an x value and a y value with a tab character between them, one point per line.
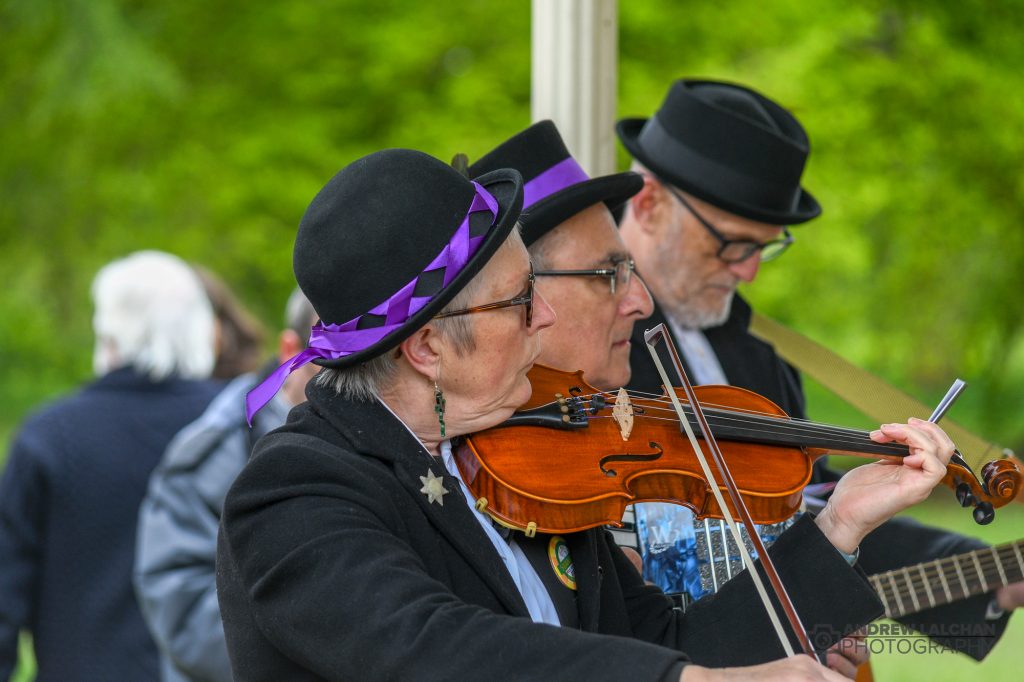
299	315
540	250
152	314
637	167
364	381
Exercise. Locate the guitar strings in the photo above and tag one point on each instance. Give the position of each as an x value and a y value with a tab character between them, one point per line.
1009	559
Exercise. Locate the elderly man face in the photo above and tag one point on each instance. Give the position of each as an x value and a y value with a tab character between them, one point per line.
594	323
679	249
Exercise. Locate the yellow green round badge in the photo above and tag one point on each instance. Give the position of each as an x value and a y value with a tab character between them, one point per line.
561	561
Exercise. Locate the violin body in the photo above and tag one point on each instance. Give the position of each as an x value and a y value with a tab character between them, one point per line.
608	473
563	463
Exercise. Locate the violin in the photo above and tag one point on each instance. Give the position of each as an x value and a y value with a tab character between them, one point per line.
574	457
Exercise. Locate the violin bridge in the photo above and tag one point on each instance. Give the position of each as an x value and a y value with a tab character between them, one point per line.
623	413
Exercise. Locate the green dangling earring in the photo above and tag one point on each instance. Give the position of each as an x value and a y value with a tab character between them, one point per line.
439	406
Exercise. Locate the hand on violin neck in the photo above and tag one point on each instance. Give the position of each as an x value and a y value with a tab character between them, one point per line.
870	494
785	670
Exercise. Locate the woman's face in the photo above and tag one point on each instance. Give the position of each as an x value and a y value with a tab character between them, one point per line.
483	387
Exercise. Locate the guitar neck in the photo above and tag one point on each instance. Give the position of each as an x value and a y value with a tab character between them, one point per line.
914	588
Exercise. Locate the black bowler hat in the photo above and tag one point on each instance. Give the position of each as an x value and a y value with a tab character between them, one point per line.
555	188
728	145
389	241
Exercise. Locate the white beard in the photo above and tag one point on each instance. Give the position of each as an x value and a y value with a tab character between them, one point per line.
689	318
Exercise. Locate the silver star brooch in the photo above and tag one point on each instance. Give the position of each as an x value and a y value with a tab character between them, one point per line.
433	488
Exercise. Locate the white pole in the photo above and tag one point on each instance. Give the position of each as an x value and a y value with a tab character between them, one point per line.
575	76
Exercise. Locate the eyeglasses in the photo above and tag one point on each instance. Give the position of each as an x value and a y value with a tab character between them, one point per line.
736	250
524	299
618	275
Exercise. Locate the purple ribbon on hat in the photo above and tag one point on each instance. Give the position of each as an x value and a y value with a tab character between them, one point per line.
563	174
331	341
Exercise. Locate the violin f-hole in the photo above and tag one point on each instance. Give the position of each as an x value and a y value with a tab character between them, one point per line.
630	457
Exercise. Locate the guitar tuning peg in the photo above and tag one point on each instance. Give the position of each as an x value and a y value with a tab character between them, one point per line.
984	513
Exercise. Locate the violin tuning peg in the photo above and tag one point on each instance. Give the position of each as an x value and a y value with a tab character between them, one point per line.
984	513
964	495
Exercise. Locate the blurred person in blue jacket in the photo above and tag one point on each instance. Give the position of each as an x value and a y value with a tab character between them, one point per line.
78	469
177	536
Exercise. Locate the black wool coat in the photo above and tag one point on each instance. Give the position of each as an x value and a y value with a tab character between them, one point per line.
749	362
332	565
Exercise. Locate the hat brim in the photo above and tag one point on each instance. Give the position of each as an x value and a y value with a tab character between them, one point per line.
628	130
555	209
506	186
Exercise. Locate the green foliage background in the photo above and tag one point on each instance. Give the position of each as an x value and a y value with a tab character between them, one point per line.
205	128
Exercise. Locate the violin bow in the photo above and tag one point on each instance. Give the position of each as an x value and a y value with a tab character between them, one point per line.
652	337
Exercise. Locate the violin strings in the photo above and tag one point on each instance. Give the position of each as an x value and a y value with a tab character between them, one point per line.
783	426
770	415
666	401
778	424
722	413
660	399
806	425
780	430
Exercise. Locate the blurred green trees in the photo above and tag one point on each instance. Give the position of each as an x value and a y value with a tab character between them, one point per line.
205	129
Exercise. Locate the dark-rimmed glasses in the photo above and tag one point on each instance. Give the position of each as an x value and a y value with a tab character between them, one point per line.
618	275
524	299
736	250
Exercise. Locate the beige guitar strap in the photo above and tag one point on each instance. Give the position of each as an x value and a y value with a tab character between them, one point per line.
872	396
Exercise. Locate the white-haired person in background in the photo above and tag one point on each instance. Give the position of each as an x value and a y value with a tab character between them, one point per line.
78	468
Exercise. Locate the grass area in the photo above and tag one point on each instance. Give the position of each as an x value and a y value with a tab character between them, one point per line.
26	670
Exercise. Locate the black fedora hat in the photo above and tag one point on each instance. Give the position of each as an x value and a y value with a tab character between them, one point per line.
555	188
384	246
728	145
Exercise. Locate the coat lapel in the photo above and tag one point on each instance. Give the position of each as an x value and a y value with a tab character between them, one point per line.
583	550
457	522
371	429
